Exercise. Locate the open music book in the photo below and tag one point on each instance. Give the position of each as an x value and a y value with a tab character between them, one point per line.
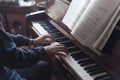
92	21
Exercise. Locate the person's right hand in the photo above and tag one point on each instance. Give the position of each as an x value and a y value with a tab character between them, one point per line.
55	49
43	39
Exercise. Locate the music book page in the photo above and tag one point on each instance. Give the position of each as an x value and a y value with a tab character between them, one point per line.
94	20
74	12
104	36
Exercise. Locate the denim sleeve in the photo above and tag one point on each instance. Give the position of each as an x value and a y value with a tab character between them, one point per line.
19	39
14	57
20	58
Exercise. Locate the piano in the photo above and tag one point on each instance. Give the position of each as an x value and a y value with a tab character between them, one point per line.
81	62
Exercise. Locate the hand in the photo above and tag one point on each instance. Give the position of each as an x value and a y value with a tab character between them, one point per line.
55	49
44	39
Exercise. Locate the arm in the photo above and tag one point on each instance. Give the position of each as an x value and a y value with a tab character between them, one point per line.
14	57
18	57
20	40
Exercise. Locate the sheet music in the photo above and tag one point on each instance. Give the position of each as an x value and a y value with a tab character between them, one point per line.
93	21
74	12
101	41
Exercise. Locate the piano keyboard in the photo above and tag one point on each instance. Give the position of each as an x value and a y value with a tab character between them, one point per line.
81	63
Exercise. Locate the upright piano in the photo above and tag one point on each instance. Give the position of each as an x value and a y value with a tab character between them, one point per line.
81	63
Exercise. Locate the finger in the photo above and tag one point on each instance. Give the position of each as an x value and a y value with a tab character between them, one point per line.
61	47
49	36
49	40
61	50
62	54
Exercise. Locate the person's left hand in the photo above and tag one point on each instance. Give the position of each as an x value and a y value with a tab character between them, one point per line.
44	39
55	49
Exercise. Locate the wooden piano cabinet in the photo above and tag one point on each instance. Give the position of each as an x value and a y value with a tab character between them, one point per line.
14	19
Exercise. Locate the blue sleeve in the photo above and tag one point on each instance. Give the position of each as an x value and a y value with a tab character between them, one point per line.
14	57
21	58
19	39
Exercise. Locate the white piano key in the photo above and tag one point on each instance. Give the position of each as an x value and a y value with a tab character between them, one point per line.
89	65
83	59
74	52
60	38
78	69
70	47
64	41
39	28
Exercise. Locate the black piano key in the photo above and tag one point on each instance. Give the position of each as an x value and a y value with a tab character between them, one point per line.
104	77
73	49
57	35
68	44
44	23
86	63
52	31
82	61
92	69
62	39
47	25
95	72
78	56
87	68
77	53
